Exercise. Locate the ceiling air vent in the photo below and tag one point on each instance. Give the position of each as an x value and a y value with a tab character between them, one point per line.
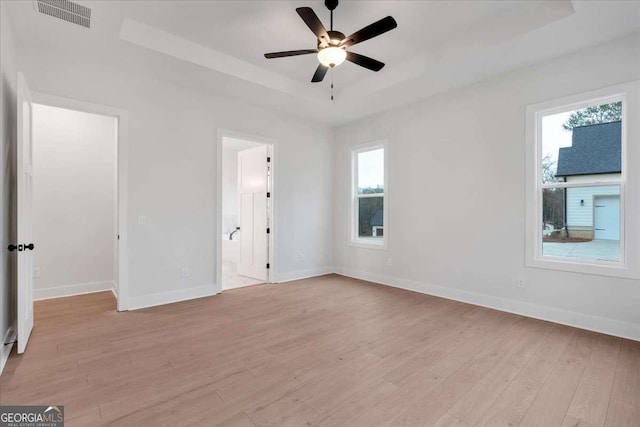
65	10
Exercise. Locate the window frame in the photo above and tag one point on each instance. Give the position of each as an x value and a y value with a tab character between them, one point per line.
534	185
354	197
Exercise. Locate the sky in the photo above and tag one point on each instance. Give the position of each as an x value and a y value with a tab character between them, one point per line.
371	169
554	136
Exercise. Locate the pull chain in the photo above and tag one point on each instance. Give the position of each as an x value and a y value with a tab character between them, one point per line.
332	84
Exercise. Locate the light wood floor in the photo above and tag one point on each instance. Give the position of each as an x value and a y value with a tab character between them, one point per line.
329	351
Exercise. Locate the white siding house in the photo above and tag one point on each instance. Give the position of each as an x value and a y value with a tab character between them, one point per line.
592	212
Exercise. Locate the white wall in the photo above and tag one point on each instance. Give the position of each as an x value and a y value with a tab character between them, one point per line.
456	196
8	175
230	202
229	189
73	201
172	172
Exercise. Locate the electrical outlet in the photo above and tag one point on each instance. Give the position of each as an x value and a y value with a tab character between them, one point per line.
389	262
36	272
521	283
184	272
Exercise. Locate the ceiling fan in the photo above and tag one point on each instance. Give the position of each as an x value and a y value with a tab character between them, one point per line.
332	45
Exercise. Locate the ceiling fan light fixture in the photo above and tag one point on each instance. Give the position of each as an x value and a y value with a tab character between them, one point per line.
332	56
332	45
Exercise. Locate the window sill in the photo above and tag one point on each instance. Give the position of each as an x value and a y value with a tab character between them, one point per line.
369	244
574	265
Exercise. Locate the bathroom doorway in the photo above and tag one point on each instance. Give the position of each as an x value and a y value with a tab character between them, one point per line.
246	212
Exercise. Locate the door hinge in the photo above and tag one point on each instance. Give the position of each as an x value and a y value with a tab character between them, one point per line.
268	230
118	237
267	265
268	194
268	159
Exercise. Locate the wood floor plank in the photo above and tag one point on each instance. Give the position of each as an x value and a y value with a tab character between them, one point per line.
591	399
328	351
474	404
359	403
432	405
550	405
626	385
570	421
511	405
449	421
622	414
239	420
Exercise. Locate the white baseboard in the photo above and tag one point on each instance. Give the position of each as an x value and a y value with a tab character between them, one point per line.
114	289
304	274
169	297
579	320
5	351
71	290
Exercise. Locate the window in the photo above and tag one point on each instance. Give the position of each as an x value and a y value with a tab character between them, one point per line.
576	161
580	159
368	195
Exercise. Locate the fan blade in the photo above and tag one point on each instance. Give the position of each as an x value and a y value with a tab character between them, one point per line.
290	53
370	31
321	71
365	61
313	22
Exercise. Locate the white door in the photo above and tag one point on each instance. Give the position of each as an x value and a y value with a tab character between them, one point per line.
25	223
252	189
606	217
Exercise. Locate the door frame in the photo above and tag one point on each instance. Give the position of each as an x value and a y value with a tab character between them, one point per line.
271	211
122	147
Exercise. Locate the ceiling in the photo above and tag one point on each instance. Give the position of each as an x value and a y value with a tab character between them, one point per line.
219	45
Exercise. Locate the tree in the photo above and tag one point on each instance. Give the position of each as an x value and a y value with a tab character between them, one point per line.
548	170
553	207
594	115
552	198
367	208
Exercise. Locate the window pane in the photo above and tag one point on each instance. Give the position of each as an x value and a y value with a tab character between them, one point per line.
370	217
579	144
371	171
581	222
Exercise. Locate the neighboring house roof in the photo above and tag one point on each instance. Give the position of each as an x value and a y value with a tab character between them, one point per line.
376	221
595	149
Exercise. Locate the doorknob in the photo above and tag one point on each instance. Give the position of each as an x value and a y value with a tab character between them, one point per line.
12	248
30	246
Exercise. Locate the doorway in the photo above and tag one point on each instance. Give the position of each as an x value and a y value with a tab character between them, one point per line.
81	157
245	211
74	202
24	246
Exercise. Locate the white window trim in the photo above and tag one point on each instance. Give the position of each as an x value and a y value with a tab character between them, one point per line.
629	94
354	240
